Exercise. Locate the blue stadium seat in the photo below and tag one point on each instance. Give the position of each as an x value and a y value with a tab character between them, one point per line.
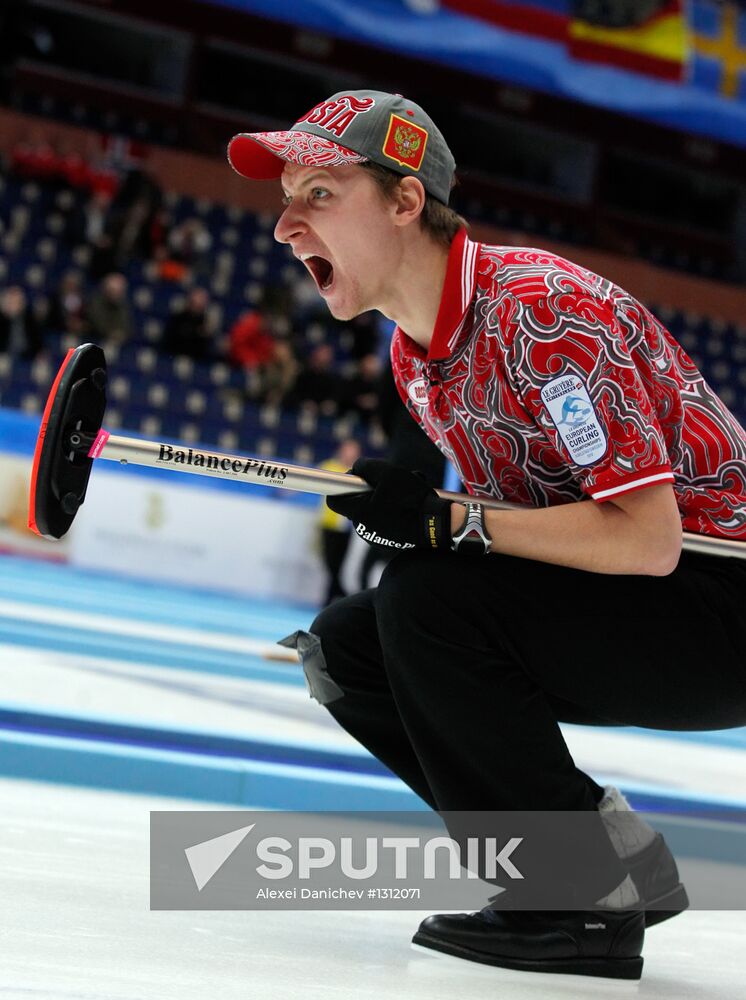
118	388
228	440
150	425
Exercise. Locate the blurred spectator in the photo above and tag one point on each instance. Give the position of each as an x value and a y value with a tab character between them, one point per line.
88	221
250	343
89	224
20	335
276	308
334	529
137	211
280	373
318	383
108	311
131	231
127	233
187	332
137	184
188	250
66	313
360	393
117	226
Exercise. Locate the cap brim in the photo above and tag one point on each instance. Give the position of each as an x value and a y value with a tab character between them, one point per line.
261	156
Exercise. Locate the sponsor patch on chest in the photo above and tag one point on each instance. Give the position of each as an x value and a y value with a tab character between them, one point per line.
417	391
573	414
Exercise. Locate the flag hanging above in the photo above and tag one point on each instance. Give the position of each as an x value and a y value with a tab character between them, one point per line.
646	36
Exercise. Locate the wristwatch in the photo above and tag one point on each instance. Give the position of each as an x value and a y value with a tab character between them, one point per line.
472	537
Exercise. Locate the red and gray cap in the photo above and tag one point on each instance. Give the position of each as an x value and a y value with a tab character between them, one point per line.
352	127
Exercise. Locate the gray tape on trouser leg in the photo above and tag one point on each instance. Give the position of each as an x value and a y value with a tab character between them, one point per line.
320	684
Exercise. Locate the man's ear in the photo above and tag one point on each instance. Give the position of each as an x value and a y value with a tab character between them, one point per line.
410	200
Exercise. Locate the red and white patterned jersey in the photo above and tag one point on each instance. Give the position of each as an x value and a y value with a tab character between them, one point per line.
545	383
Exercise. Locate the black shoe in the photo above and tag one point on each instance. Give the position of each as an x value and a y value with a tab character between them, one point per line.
656	879
583	943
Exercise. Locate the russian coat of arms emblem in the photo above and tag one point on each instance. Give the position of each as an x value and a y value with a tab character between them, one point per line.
407	142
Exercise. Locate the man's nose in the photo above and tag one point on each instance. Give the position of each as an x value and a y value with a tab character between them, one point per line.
289	226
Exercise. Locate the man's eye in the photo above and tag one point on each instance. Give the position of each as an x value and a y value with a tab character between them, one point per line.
317	192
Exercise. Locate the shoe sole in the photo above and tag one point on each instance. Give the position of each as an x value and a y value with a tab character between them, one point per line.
608	968
675	901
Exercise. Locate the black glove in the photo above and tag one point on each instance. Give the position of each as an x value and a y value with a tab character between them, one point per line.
401	511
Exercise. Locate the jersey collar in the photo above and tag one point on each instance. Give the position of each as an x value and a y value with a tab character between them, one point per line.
458	291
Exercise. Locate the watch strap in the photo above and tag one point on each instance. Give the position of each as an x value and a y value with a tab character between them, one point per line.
472	537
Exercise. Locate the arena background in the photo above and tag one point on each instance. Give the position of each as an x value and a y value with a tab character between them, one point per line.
138	656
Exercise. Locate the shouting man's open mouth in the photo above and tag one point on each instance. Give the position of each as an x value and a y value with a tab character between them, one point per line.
321	269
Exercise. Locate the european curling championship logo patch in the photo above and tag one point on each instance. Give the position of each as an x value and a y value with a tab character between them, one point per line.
570	407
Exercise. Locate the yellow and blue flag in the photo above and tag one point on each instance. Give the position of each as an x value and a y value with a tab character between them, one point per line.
719	43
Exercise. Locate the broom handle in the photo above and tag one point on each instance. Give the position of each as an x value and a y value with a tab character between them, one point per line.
265	472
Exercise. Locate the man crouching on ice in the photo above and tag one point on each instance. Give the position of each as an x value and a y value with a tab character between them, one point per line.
550	386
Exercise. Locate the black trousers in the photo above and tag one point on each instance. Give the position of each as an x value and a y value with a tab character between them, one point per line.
334	545
456	670
376	554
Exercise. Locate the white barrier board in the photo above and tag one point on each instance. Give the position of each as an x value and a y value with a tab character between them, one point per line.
199	537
